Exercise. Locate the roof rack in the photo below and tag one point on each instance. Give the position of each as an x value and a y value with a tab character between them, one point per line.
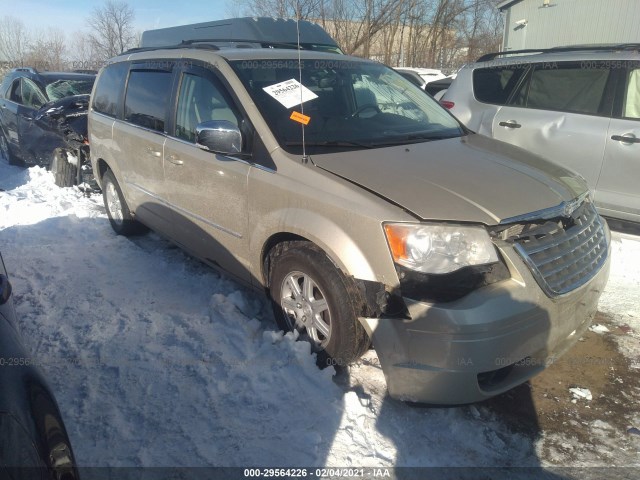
258	32
25	69
573	48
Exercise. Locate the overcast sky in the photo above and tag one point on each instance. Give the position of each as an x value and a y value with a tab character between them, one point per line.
70	15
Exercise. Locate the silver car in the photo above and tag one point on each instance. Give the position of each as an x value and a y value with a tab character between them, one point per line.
367	212
577	106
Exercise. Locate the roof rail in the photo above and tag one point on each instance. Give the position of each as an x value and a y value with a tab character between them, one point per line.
25	69
573	48
204	46
217	43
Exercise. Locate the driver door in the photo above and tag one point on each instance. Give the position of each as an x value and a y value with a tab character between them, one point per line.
207	191
32	98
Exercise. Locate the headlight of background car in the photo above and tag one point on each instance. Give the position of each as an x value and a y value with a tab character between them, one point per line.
438	249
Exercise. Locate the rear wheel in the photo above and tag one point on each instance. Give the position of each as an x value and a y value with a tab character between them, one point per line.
6	153
118	212
65	172
310	295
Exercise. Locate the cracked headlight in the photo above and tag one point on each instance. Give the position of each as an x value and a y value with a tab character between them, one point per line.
439	248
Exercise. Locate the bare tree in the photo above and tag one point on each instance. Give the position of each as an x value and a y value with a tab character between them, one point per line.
307	9
47	50
14	41
360	28
82	53
112	29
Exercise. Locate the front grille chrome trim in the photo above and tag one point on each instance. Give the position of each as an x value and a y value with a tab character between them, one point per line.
567	258
562	210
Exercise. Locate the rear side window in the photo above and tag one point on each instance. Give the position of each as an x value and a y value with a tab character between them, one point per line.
495	84
568	89
15	92
109	87
148	93
632	97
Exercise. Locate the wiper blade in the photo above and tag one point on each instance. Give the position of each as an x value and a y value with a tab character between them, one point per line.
427	136
340	143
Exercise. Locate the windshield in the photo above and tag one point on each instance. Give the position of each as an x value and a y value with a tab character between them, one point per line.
351	104
62	88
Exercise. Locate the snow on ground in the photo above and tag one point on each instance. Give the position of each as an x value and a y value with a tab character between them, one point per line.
620	299
156	360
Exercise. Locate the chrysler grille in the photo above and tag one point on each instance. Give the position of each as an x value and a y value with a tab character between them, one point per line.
567	253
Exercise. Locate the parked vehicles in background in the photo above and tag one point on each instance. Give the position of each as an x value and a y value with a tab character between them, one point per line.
33	439
576	106
413	77
434	87
438	88
427	74
43	121
467	262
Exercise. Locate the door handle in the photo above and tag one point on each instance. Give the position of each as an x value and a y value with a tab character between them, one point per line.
627	138
510	124
153	152
175	160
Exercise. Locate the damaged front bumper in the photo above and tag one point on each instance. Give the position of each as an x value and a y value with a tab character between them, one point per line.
484	344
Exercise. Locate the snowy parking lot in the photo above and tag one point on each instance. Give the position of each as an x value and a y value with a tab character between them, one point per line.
157	360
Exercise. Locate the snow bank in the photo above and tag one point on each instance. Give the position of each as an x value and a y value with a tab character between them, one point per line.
156	360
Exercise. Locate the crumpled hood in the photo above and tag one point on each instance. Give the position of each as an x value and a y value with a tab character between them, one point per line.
467	179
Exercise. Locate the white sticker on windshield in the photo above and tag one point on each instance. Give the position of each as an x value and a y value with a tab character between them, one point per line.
290	93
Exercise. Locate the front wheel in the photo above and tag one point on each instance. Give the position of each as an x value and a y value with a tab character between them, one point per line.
118	212
64	171
310	295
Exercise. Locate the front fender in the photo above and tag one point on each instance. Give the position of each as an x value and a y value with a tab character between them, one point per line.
340	247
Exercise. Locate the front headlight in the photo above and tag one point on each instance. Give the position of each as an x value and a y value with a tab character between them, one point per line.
439	248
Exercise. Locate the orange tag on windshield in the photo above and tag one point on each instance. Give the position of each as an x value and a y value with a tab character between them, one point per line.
300	118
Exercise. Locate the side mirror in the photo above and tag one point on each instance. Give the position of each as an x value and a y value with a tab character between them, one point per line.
5	289
219	136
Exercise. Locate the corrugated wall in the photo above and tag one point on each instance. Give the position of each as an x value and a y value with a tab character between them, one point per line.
572	22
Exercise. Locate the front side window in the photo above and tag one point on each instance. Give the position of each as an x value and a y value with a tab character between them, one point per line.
147	96
353	104
568	89
200	100
32	97
632	97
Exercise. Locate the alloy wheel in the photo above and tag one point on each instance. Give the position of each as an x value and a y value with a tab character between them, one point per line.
305	307
114	204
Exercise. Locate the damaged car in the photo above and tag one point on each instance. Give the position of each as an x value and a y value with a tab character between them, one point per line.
43	121
365	210
578	106
34	443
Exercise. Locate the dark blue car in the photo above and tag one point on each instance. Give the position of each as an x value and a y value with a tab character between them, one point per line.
43	120
33	440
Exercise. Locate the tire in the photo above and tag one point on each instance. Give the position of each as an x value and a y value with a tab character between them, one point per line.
311	295
5	151
65	173
118	212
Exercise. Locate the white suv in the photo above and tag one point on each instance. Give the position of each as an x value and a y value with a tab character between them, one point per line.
577	106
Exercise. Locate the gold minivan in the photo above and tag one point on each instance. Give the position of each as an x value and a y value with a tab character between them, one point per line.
367	212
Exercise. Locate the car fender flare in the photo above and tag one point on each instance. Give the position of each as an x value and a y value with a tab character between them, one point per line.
292	223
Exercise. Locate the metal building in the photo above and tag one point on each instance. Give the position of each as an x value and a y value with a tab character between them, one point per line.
552	23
